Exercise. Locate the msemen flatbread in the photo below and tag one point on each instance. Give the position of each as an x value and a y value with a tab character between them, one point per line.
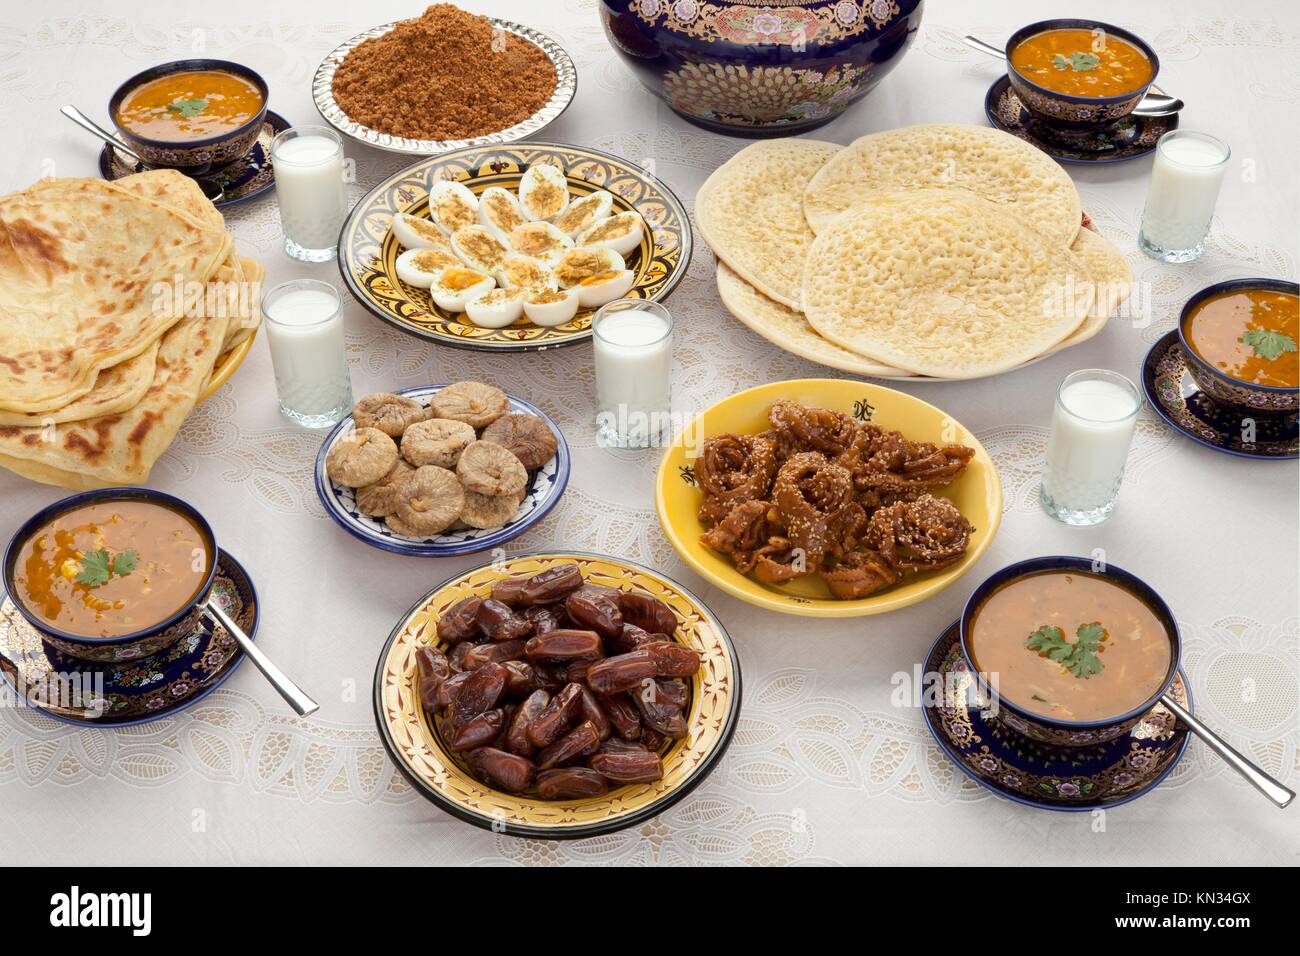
1111	275
990	163
945	284
750	212
121	449
80	262
117	388
788	329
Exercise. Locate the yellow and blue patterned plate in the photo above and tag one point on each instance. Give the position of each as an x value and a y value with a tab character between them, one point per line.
416	746
368	251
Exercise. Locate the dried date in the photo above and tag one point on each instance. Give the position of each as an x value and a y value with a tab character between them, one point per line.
553	584
621	672
509	772
517	741
479	693
596	610
500	623
557	718
578	742
673	659
478	731
459	622
570	783
630	767
565	644
647	612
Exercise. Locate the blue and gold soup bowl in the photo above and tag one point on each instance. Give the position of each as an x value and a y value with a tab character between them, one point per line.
200	155
1065	111
141	641
1217	383
1033	724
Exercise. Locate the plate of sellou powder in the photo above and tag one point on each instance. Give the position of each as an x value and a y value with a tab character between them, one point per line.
417	86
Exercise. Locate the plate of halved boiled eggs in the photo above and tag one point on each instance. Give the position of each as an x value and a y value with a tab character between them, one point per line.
512	248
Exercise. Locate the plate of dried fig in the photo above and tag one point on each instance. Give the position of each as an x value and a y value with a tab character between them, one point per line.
465	467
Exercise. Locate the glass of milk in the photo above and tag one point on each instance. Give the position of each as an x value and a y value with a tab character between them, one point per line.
304	329
1092	428
632	344
309	186
1185	180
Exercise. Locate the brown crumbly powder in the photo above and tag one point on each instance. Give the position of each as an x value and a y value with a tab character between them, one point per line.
447	74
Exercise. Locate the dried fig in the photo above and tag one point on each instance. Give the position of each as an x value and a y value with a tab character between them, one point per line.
365	456
433	500
474	403
380	499
487	511
436	441
527	437
491	470
391	414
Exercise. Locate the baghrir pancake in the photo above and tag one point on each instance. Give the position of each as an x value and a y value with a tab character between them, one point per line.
944	283
750	212
994	165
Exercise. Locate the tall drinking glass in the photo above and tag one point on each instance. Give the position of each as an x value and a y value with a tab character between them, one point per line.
1092	429
632	345
1185	180
304	328
309	187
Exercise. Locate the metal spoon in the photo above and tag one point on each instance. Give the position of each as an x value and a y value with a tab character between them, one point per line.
210	188
1156	103
291	692
1258	779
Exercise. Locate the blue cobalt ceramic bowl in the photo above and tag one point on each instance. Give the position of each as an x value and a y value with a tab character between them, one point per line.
1068	733
1067	111
124	647
544	489
760	69
200	156
1276	399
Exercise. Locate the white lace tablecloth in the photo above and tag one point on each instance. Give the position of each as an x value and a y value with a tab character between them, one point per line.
822	769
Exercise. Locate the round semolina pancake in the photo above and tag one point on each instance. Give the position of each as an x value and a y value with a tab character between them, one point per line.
788	329
944	284
750	212
1111	275
990	163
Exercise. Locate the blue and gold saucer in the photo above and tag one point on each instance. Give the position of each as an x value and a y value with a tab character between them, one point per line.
135	691
241	180
1040	775
1125	139
1176	398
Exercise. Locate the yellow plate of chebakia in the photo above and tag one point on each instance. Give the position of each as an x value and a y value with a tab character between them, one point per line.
490	707
512	248
828	497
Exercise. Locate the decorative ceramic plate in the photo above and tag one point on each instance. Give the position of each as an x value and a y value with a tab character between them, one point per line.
1042	775
1176	398
250	177
134	691
368	251
544	489
977	492
1129	138
566	84
415	744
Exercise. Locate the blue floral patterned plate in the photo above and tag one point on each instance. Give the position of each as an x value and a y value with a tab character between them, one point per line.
1176	398
1040	775
543	492
135	691
1129	138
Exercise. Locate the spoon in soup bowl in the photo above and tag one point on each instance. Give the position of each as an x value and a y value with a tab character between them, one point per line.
1261	781
210	188
1155	103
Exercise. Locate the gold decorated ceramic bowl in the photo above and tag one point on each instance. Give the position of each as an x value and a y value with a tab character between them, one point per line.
977	492
413	739
368	250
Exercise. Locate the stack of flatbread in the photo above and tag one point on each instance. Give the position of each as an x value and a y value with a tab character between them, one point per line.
117	302
940	251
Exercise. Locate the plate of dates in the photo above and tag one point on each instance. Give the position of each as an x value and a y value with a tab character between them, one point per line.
557	694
